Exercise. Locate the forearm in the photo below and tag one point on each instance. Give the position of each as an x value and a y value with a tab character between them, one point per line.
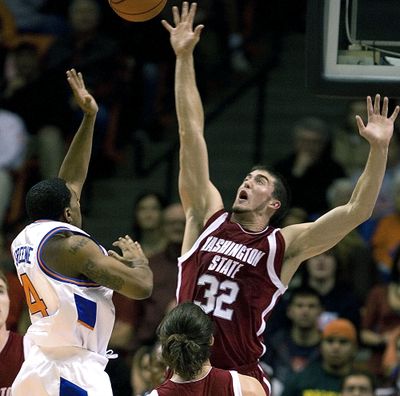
187	98
75	166
369	184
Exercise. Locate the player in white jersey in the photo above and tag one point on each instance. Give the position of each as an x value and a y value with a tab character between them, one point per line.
259	198
68	278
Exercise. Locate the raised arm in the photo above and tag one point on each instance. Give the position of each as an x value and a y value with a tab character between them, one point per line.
307	240
75	166
199	197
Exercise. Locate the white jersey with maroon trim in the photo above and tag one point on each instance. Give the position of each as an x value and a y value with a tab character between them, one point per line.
233	274
64	311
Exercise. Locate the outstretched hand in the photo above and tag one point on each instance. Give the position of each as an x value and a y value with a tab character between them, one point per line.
379	129
83	98
183	38
132	253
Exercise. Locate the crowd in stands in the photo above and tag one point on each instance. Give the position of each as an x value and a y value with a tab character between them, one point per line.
338	324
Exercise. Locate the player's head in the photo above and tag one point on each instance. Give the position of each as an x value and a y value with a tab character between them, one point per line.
186	335
4	299
51	199
263	191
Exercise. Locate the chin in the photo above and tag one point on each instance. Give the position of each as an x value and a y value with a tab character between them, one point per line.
239	209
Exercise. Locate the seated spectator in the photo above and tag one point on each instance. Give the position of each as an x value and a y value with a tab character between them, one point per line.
324	376
353	252
381	317
359	383
291	349
386	237
47	120
85	47
13	146
11	343
310	168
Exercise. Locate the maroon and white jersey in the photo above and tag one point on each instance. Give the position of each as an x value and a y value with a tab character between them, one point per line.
215	382
234	275
11	359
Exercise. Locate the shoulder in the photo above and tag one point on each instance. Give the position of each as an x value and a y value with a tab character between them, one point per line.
250	386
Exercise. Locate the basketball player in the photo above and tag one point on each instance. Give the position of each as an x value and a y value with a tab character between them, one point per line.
233	264
186	335
69	279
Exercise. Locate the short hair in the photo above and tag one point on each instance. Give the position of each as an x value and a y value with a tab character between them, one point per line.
48	199
281	193
360	373
185	335
304	291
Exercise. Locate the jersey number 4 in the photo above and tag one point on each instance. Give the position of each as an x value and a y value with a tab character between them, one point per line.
217	296
35	303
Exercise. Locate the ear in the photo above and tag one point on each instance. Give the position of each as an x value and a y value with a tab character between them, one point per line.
275	204
212	340
67	215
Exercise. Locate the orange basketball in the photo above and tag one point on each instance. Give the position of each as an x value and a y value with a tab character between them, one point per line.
137	10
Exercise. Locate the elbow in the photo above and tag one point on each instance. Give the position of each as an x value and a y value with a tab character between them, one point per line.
145	288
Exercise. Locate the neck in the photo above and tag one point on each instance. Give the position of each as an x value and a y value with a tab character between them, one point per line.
250	223
305	336
322	285
340	370
202	373
4	333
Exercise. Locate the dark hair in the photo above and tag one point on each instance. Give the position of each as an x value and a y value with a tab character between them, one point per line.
4	278
185	335
281	193
304	291
136	230
47	199
360	373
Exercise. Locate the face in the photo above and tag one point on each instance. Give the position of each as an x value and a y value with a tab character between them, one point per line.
174	223
149	213
75	210
304	311
357	385
309	142
255	194
4	303
84	15
322	266
337	351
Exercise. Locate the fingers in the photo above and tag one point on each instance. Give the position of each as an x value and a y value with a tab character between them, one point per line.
198	30
370	108
360	123
395	114
185	10
167	26
192	13
377	104
385	106
175	14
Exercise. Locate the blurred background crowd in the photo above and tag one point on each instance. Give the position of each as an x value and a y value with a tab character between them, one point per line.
129	68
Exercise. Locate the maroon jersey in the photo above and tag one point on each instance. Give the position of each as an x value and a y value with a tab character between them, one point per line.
234	275
11	359
216	382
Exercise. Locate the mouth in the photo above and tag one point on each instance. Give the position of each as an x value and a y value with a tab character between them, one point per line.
243	196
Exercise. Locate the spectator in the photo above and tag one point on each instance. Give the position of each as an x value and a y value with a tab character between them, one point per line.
291	349
11	343
310	169
353	252
386	237
381	317
338	350
358	383
13	144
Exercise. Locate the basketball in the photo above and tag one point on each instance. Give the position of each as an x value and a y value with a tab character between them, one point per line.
137	10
